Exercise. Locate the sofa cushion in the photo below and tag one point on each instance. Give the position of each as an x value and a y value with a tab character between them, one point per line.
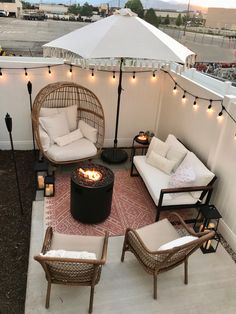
71	114
88	131
79	149
203	175
55	125
69	138
160	162
158	146
175	155
177	242
155	180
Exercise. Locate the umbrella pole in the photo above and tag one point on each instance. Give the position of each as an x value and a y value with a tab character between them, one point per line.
116	155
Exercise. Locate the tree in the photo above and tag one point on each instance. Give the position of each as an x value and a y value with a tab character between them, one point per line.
74	9
27	5
151	17
167	20
159	20
135	6
86	10
179	20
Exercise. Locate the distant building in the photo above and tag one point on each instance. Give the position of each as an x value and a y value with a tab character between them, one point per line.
11	7
221	18
53	8
173	15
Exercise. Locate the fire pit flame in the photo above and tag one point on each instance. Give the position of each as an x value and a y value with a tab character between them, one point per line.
91	175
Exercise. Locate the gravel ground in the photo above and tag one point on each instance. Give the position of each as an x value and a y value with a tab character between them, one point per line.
15	229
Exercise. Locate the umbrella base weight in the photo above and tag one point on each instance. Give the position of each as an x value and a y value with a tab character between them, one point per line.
114	155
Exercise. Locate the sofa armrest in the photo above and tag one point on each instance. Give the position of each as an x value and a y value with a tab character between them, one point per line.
208	189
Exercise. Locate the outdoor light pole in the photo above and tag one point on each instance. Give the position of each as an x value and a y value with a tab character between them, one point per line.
29	87
8	121
185	24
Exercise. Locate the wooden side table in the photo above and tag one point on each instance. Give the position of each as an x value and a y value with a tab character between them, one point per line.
137	144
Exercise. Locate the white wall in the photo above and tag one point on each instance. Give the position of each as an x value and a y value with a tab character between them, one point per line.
138	107
212	140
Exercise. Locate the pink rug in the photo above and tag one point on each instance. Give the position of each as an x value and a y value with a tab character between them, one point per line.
131	207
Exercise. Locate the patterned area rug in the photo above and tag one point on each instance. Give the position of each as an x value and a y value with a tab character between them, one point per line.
131	207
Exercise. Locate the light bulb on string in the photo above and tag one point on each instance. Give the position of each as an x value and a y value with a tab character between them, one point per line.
220	114
113	75
92	73
49	70
184	97
153	74
195	105
26	73
0	73
70	71
175	88
209	108
133	75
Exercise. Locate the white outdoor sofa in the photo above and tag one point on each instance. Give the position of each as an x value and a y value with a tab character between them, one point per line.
176	178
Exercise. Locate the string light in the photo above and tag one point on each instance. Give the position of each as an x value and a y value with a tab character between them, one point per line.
114	75
70	72
195	101
26	73
133	75
154	74
209	108
175	88
0	72
184	97
92	74
49	70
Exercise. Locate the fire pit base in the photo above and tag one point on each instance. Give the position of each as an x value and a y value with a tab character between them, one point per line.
91	201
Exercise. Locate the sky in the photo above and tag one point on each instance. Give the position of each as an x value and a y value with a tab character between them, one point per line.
210	3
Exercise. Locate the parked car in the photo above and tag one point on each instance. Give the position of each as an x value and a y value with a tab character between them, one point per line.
3	13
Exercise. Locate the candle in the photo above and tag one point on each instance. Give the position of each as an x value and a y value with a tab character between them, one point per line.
47	191
211	225
41	182
207	244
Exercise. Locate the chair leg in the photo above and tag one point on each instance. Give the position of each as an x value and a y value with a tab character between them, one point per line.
155	287
186	271
124	248
48	295
158	213
91	299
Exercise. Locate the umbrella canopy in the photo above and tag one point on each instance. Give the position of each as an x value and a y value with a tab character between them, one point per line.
122	35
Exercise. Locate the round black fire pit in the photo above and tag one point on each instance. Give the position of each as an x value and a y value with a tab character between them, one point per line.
91	200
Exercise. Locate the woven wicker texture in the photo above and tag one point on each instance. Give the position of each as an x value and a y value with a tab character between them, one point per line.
65	94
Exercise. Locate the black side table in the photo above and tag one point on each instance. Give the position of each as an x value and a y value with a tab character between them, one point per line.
208	217
137	144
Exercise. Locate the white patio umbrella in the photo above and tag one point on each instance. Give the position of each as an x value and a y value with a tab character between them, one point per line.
121	39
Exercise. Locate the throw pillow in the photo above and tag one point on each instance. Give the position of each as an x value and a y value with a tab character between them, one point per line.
88	131
175	155
71	114
203	175
177	242
55	125
160	162
184	176
174	142
158	147
44	139
69	138
70	254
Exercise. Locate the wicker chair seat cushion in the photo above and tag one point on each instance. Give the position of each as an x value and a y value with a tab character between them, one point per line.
79	149
155	180
70	112
70	254
177	242
78	243
157	234
69	138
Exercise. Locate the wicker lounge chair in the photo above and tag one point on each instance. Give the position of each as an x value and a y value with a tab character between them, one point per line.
72	271
64	95
145	242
